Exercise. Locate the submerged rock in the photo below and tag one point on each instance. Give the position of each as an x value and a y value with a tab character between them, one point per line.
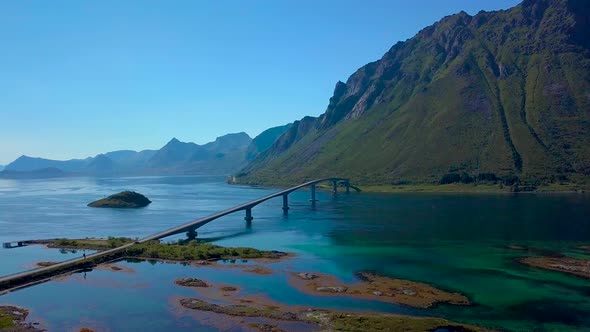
332	289
406	291
191	282
124	199
307	276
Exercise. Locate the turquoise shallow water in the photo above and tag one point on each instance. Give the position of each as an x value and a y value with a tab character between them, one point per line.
456	242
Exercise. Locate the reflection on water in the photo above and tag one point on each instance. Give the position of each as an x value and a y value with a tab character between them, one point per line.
457	242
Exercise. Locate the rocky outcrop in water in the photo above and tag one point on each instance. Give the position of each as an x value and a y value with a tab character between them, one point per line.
125	199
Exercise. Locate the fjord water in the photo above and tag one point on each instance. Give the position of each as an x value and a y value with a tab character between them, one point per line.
456	242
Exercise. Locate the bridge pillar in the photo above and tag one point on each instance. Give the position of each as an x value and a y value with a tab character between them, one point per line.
191	234
248	216
286	203
334	187
347	186
313	200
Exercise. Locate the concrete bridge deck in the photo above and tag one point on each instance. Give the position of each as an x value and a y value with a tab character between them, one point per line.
27	278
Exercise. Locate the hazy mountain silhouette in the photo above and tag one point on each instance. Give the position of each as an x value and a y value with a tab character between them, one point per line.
224	155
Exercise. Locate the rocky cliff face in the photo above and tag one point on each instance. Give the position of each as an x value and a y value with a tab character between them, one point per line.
503	92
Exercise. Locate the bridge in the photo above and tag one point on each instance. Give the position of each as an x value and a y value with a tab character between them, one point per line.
28	278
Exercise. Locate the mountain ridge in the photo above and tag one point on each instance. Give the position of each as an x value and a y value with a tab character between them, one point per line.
502	93
222	156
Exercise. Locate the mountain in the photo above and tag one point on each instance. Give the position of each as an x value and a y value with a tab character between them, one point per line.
229	143
502	94
130	160
264	141
225	155
100	164
28	164
120	161
1	168
175	153
49	172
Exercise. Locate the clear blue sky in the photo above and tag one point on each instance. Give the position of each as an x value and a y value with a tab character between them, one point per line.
78	78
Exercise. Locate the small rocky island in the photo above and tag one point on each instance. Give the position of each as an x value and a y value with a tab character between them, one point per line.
124	199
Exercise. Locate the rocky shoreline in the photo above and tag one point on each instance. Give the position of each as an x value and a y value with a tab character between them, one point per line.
554	261
13	319
568	265
122	200
264	314
375	287
271	318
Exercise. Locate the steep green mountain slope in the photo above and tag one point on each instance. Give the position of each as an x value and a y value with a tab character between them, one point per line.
500	94
264	141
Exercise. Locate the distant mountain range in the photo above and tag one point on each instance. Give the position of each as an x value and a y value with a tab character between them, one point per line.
499	95
225	155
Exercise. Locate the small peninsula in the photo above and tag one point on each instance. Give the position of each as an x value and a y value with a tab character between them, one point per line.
124	199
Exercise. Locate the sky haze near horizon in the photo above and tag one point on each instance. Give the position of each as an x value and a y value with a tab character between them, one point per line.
81	78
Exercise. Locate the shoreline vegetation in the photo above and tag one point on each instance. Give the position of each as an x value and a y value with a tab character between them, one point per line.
324	319
492	187
13	319
468	188
178	251
473	188
197	252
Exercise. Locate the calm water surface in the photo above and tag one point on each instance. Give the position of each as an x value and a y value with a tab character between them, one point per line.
456	242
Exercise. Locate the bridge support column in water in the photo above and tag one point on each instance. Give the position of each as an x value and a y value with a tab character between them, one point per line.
313	200
335	187
248	216
347	186
285	203
191	234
